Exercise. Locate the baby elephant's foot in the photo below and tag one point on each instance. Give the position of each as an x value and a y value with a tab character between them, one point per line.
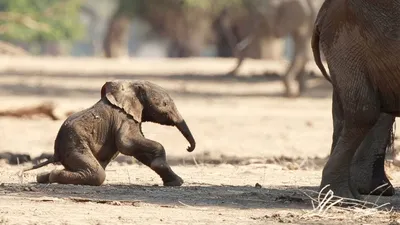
43	178
175	182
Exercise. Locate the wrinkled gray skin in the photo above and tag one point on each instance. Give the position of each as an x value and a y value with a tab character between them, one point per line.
278	18
88	140
360	40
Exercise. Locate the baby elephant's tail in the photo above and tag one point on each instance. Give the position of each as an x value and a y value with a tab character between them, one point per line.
49	160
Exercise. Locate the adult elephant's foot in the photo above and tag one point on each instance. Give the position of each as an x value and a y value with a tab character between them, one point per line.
380	185
291	90
175	182
370	178
292	95
342	190
338	181
232	73
377	184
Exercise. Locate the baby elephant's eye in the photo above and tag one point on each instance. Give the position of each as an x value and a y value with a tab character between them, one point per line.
164	103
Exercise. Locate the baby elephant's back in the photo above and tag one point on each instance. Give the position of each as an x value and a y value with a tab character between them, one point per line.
87	130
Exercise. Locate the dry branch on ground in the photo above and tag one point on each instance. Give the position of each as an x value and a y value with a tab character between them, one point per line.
45	109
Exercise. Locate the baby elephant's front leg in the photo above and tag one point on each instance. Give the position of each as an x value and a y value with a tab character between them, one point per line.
151	154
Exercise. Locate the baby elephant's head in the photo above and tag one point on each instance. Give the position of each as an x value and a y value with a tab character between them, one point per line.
146	101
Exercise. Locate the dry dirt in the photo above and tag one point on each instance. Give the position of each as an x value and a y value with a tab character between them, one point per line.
254	164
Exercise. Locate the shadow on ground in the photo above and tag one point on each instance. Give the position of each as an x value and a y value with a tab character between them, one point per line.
244	197
321	88
256	78
241	197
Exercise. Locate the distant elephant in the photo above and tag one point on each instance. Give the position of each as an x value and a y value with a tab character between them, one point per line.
187	28
88	140
278	19
360	40
15	159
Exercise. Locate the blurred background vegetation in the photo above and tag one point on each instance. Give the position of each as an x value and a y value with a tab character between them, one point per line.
130	28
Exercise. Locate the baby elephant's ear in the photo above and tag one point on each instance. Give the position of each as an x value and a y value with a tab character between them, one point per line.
122	94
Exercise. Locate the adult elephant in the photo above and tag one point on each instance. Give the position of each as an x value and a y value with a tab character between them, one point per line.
187	27
277	19
360	40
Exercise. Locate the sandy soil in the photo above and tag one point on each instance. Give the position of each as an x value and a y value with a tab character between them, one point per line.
240	125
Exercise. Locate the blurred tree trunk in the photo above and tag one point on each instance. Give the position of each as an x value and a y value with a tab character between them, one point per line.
93	28
115	43
52	48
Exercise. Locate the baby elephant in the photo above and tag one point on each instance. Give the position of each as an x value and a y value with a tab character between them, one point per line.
88	140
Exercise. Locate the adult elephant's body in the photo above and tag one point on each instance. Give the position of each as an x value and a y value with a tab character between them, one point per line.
188	28
276	19
361	43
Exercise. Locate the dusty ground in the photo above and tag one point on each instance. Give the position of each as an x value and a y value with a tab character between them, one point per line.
246	133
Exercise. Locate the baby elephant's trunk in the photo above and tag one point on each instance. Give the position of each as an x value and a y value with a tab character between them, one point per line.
184	129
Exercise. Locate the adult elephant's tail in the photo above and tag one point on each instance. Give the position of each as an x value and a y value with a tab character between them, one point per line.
316	51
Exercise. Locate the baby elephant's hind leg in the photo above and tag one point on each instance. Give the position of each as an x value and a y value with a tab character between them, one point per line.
43	178
80	169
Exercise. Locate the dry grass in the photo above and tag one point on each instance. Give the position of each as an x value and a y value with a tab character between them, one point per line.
330	206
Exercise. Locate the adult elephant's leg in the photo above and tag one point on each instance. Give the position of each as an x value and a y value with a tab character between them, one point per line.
337	117
368	167
360	111
296	67
302	80
303	74
336	172
239	61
